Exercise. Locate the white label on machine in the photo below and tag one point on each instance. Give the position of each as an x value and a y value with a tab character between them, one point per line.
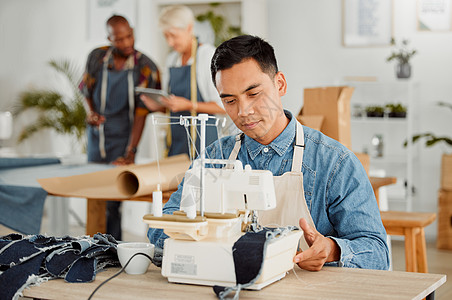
183	269
185	259
183	264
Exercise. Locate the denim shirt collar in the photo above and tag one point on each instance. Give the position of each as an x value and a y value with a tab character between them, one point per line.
281	144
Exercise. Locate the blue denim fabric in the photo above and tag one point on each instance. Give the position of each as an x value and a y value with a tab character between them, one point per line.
21	207
26	260
338	193
14	162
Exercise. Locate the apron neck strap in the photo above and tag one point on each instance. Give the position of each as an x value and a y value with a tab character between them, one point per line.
236	149
298	151
193	92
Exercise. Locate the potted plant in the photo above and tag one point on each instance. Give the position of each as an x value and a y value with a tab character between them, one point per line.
222	30
396	110
402	55
64	115
431	140
375	111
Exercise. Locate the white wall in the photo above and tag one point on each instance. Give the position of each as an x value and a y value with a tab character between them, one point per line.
307	39
306	35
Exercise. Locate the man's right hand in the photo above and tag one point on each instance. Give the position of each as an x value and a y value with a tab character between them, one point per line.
95	119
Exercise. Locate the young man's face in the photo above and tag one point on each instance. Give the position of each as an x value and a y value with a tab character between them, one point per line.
253	100
121	37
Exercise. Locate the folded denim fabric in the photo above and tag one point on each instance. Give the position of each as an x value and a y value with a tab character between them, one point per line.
30	260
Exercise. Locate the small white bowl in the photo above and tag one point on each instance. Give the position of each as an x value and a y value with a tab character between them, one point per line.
140	263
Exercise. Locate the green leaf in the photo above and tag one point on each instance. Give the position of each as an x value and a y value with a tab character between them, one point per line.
64	115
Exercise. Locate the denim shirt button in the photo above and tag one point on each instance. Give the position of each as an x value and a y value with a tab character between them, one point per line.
265	150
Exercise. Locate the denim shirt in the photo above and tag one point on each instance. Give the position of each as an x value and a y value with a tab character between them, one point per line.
337	190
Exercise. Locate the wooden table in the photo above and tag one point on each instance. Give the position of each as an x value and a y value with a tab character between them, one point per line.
329	283
96	208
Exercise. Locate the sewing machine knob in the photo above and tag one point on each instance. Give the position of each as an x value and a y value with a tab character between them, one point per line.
247	168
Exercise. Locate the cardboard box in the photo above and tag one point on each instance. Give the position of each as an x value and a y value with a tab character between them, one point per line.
334	104
446	172
314	122
444	239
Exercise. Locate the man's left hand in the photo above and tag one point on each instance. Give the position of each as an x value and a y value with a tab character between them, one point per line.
321	249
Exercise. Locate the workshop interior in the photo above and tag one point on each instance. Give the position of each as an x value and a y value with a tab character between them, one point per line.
135	161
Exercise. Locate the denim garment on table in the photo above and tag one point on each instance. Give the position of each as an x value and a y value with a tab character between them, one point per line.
21	207
28	260
15	162
248	253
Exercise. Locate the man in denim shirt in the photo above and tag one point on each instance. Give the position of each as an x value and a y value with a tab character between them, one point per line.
348	230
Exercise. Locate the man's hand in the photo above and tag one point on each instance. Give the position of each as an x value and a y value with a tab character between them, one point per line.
176	103
95	119
127	159
321	249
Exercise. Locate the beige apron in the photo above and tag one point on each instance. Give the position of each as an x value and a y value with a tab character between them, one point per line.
290	201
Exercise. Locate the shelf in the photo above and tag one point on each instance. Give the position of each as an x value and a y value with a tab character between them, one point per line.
379	120
192	2
389	159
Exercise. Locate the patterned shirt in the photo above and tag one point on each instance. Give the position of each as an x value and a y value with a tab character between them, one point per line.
145	73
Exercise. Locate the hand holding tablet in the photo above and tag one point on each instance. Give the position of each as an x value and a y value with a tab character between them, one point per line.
154	94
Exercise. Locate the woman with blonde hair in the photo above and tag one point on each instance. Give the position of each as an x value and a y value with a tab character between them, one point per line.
187	79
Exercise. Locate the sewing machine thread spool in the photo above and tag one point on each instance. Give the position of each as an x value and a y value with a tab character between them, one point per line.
157	202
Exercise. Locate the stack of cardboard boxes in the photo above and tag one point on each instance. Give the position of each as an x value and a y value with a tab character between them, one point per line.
444	240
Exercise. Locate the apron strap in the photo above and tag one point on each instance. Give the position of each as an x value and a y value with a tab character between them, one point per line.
298	149
129	64
103	102
130	88
193	94
236	149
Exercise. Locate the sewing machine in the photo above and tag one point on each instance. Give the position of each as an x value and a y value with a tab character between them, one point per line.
217	204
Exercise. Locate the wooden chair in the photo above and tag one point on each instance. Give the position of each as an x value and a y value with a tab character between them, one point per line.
410	225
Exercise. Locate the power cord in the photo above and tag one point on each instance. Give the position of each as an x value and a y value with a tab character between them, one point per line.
119	272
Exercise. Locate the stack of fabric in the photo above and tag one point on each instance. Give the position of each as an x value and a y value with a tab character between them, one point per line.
27	260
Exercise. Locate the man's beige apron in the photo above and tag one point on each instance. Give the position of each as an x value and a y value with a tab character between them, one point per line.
290	201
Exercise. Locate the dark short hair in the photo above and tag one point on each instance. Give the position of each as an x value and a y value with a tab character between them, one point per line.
116	19
241	48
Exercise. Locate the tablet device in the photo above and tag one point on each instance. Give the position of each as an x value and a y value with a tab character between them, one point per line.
154	94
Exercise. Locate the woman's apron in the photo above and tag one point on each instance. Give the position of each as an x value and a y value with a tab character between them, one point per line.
290	201
109	141
182	80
